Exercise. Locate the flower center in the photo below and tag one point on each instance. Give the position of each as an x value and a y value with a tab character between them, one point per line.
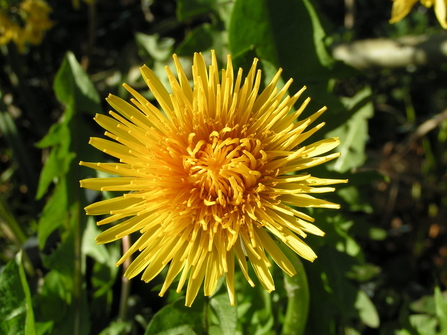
223	170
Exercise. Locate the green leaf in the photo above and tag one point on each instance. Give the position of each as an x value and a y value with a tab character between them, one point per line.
187	9
333	294
55	296
55	135
67	325
226	313
159	49
89	246
199	39
424	324
54	214
441	310
367	311
377	234
73	88
63	258
288	34
103	273
363	273
176	318
355	199
60	158
262	320
353	133
55	304
44	328
427	304
117	328
71	78
16	309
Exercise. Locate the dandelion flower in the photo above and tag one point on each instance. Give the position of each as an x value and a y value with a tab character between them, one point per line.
213	176
34	15
401	8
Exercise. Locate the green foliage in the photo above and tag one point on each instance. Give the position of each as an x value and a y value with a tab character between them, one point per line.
364	279
226	314
297	289
288	34
175	319
16	311
353	133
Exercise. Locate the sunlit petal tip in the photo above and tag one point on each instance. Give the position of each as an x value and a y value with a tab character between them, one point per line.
197	177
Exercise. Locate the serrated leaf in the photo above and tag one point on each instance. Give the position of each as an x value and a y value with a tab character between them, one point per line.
55	135
89	246
104	269
226	313
54	214
62	259
55	296
353	133
57	163
71	81
177	317
16	310
56	305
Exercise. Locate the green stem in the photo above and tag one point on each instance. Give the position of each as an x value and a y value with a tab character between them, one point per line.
14	233
92	23
77	292
206	323
125	283
297	290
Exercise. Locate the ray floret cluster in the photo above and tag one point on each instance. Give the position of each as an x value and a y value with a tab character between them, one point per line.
401	8
213	177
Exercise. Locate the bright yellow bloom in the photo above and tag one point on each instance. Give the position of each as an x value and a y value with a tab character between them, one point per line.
214	175
402	7
8	30
36	22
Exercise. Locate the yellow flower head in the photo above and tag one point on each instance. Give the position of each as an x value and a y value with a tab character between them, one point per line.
213	176
401	8
8	30
34	14
37	21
